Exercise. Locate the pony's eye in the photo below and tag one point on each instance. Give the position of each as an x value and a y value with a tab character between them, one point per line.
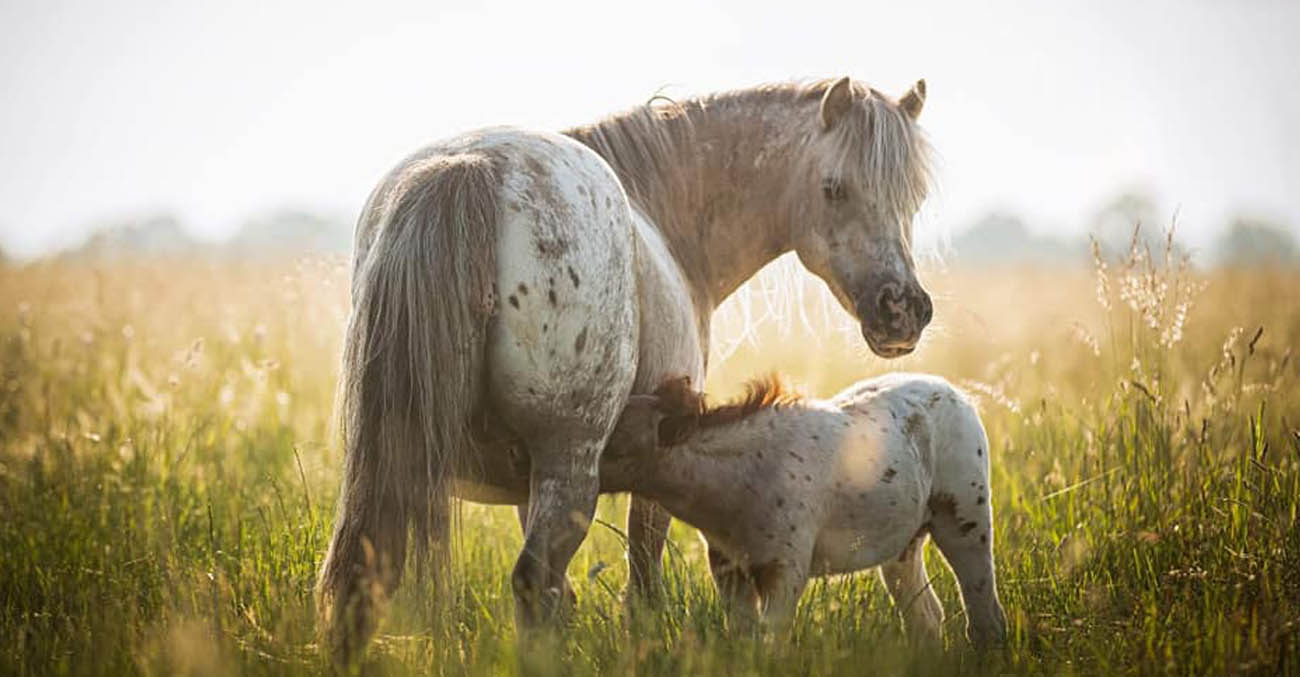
833	189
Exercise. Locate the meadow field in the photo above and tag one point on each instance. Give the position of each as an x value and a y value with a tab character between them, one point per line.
168	475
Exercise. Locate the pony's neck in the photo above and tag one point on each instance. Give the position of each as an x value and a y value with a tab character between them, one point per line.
713	175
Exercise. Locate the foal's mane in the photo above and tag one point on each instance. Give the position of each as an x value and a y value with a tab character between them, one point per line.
878	146
686	410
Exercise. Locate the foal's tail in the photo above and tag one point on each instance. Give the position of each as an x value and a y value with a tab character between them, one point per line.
410	379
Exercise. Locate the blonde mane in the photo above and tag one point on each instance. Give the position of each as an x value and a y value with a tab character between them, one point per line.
878	147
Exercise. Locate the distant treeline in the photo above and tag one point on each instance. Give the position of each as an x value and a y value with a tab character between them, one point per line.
275	234
1003	237
999	238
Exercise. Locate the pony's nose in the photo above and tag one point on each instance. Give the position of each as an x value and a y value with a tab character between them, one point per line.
896	304
924	308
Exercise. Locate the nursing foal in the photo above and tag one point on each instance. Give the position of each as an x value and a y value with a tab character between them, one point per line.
784	488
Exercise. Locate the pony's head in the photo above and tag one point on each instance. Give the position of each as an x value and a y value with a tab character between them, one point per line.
862	181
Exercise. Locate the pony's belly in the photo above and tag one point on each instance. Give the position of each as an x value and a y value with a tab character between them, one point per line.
673	335
477	492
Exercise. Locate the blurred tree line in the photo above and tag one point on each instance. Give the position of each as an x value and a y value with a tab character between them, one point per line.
279	233
1001	237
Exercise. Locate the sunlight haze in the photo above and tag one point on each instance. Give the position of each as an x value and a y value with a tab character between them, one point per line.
216	114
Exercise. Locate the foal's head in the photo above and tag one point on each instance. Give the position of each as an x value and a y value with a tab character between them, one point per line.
864	178
676	411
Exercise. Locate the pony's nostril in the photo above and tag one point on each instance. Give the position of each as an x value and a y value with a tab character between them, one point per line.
924	308
887	301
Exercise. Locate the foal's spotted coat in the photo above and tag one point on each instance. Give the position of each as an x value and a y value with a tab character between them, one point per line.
785	489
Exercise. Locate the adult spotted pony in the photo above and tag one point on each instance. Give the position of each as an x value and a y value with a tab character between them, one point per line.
511	289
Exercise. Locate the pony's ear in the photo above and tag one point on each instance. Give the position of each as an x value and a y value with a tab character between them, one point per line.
837	101
913	100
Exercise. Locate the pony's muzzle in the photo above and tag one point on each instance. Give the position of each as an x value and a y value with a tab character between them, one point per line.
892	321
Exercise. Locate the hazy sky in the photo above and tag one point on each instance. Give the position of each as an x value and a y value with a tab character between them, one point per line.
218	111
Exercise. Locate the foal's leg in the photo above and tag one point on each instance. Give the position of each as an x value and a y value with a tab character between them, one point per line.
780	585
965	537
736	590
909	587
563	487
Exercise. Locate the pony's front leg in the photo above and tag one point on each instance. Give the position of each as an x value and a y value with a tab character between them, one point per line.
647	532
563	486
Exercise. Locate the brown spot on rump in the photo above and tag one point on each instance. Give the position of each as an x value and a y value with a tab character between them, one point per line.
889	475
580	342
979	451
914	425
550	296
979	501
514	301
534	167
573	277
523	289
984	538
965	528
551	247
943	504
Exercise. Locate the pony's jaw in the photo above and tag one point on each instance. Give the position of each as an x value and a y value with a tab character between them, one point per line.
886	348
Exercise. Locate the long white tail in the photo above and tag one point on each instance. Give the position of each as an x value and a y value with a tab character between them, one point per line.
410	380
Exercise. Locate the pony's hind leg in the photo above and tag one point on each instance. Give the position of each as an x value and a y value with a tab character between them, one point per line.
570	597
964	535
562	500
909	587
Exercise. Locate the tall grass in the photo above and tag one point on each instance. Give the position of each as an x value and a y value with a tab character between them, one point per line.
167	480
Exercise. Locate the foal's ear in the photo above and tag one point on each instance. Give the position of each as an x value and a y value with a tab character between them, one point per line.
837	101
913	100
637	431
